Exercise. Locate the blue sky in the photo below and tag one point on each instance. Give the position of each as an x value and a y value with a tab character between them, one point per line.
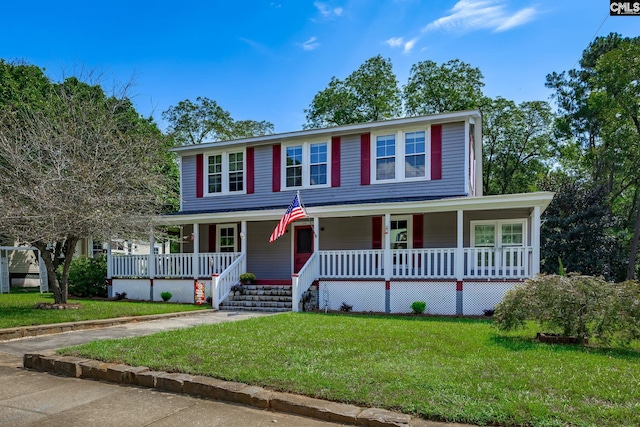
265	60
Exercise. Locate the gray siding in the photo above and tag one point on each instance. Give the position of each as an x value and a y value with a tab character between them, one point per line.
268	260
451	184
345	233
440	230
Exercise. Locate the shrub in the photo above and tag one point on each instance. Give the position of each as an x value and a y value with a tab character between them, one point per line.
418	307
166	296
582	306
346	307
247	277
88	277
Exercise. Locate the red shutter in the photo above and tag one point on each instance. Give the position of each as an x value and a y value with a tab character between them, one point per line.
212	237
200	175
335	161
376	232
365	159
418	231
250	166
276	168
436	152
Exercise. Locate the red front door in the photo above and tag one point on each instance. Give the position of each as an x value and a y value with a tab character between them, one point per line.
302	246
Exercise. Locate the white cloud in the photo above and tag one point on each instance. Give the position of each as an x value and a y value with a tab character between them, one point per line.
326	10
408	46
310	44
395	41
469	15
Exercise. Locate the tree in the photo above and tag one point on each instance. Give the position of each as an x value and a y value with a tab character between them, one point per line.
193	123
370	93
577	230
517	145
452	86
597	109
79	164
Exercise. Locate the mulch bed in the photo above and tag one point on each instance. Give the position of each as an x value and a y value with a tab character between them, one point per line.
54	306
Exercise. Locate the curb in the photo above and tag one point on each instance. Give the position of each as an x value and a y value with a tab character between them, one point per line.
229	391
56	328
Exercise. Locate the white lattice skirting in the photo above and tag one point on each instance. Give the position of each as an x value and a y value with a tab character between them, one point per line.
442	297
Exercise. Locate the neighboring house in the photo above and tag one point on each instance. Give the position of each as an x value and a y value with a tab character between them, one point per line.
395	215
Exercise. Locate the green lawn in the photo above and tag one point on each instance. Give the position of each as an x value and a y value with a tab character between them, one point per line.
441	369
16	309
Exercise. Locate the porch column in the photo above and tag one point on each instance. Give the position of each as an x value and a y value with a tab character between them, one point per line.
535	240
459	260
388	263
196	251
243	237
109	270
316	234
151	267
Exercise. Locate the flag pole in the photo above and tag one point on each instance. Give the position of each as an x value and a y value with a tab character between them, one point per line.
305	214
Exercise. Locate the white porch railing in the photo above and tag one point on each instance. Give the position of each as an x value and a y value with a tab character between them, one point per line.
221	284
301	281
172	265
352	263
509	262
130	265
440	263
419	263
212	263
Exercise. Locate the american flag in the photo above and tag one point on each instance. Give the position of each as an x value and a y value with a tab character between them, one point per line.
294	212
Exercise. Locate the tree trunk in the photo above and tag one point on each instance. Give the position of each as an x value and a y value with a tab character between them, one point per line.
634	247
51	258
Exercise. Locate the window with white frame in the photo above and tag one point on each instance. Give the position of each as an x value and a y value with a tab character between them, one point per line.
385	157
399	156
501	233
227	238
415	155
306	164
225	173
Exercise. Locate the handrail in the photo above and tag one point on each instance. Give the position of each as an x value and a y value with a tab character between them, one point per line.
301	281
221	283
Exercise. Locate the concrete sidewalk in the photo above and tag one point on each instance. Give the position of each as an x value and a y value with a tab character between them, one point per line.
29	398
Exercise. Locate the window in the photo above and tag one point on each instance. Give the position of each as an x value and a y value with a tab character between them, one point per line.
318	164
385	157
415	155
294	166
227	238
500	233
400	156
306	165
225	173
398	235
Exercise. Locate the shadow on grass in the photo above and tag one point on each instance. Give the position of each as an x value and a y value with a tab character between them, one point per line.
520	343
405	317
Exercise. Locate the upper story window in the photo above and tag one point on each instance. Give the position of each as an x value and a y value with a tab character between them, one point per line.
225	173
401	156
306	164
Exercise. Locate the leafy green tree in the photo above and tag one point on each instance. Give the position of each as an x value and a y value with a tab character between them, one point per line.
370	93
204	120
578	231
433	88
74	164
598	106
518	145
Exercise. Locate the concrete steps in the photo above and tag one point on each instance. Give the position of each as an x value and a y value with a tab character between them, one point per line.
269	298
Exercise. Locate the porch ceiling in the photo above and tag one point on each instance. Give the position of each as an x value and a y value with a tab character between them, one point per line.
499	202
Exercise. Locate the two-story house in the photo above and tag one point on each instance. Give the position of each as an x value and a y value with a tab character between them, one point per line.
395	215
